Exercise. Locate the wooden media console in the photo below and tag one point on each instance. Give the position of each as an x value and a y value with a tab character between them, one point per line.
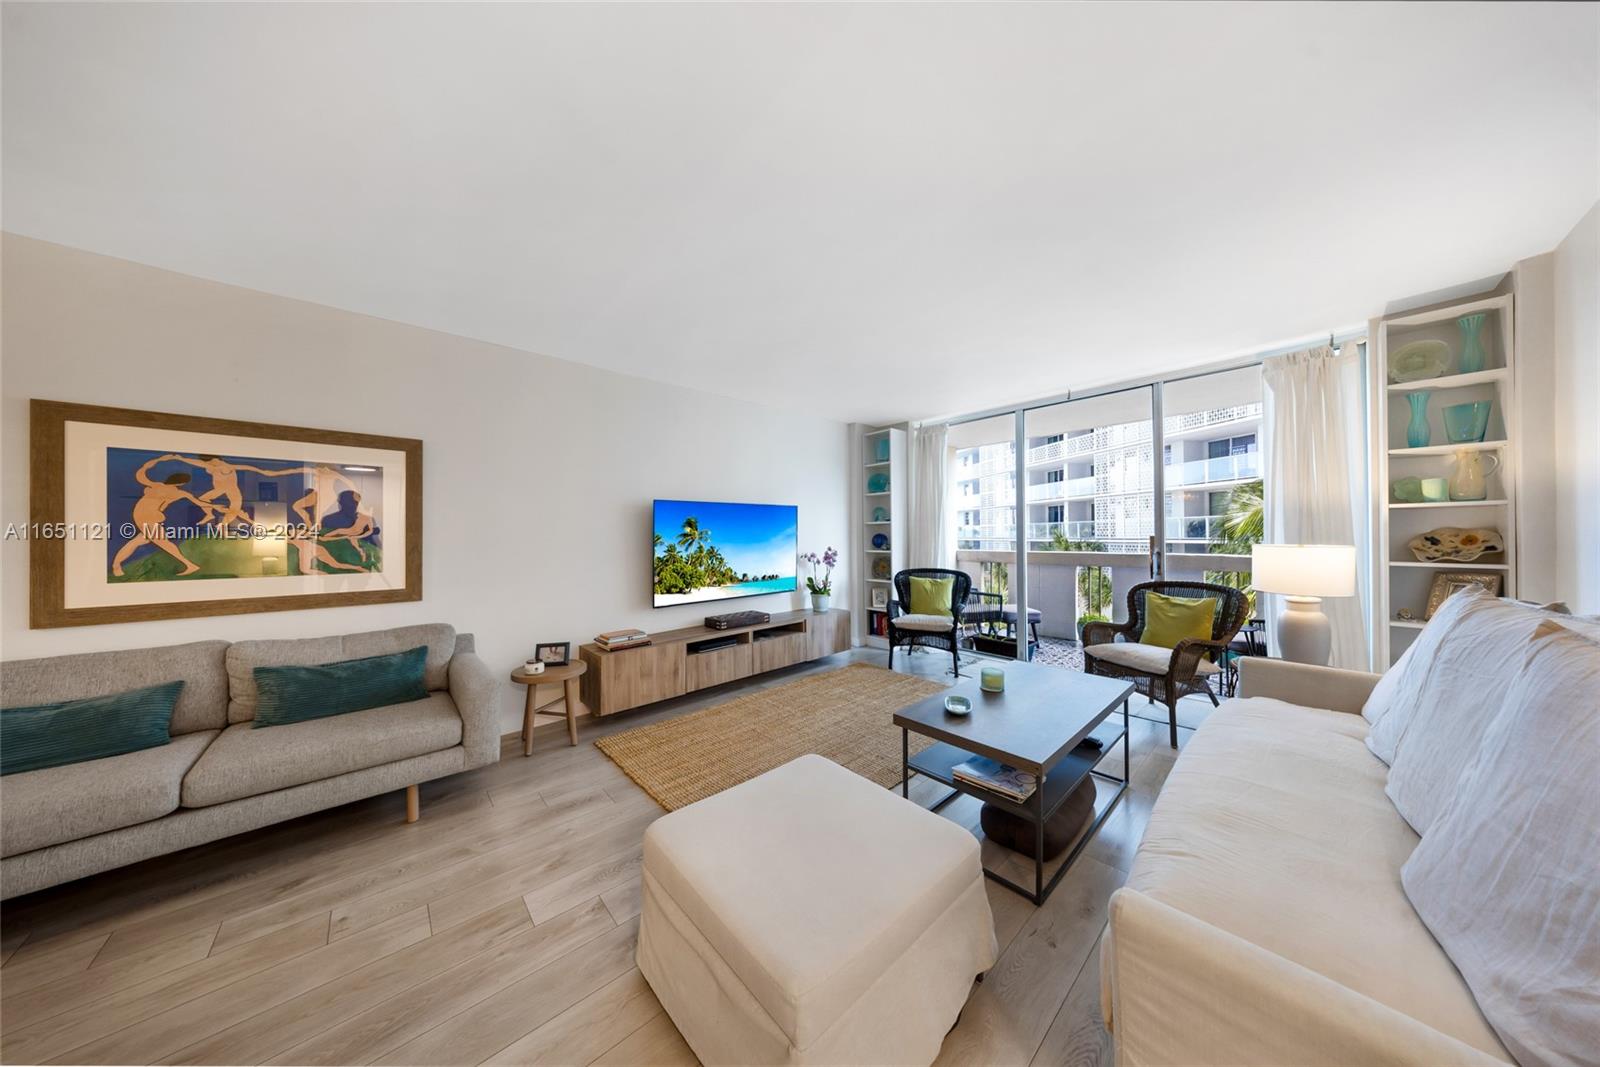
698	657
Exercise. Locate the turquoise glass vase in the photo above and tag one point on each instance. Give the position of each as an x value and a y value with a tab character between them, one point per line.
1417	429
1471	347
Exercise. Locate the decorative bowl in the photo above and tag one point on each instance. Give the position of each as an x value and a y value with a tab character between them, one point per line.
1455	545
880	540
958	705
1407	490
880	514
880	567
1418	361
1464	423
878	483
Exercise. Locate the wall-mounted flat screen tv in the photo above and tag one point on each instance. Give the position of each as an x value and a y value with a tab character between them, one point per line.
707	551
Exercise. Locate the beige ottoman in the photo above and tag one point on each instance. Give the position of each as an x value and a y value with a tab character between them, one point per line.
810	916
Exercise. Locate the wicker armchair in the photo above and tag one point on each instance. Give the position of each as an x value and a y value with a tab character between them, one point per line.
1176	671
934	630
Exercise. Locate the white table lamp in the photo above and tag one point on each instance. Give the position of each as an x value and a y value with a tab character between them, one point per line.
1304	574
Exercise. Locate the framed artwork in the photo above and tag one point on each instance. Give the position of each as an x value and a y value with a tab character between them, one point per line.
1447	582
552	653
140	515
880	598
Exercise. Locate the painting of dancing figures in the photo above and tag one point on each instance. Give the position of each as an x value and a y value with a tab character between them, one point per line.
150	515
175	516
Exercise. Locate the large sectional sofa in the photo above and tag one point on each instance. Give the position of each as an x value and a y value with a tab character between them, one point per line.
219	776
1271	914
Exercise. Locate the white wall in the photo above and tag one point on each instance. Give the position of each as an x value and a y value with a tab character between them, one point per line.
538	473
1576	308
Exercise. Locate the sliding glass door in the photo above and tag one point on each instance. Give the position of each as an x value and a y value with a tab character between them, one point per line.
1063	507
1089	468
984	495
1214	506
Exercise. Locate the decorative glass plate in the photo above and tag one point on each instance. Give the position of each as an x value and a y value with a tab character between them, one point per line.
1418	361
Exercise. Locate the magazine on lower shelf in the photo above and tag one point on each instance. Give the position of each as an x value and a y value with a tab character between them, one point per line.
996	777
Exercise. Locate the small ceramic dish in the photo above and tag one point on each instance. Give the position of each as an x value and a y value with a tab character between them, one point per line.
958	705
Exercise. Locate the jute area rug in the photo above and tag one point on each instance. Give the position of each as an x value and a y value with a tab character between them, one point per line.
846	715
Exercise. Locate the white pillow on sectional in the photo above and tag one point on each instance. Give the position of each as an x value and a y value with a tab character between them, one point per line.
1381	699
1466	682
1506	877
1394	699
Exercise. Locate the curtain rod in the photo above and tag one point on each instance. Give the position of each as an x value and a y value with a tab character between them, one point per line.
1335	338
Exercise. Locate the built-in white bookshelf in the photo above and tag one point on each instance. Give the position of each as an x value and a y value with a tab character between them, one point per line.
881	537
1400	581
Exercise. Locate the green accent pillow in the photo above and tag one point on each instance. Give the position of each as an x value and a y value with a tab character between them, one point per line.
299	694
73	731
931	596
1170	619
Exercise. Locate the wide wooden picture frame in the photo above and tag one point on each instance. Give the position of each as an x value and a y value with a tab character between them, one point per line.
145	515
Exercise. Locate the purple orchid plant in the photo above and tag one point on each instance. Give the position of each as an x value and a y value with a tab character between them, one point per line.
828	559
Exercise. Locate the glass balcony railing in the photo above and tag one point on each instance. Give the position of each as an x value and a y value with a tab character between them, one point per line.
1239	468
1195	528
1071	489
1073	530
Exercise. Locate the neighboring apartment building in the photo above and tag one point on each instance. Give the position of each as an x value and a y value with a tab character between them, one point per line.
1094	485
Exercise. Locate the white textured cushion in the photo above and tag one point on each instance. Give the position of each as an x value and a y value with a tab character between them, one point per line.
939	624
1273	826
1465	680
1507	876
1381	699
810	882
1152	659
1397	694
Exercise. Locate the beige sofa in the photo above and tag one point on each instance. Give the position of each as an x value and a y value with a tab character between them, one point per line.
220	776
1264	921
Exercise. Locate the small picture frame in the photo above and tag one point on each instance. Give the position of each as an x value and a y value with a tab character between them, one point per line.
1446	583
880	599
552	653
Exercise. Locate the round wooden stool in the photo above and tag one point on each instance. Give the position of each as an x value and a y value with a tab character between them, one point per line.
567	675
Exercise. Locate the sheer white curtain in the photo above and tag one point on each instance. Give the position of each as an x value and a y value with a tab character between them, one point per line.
929	542
1315	475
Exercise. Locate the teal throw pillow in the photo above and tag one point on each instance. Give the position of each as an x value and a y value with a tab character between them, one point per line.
298	694
73	731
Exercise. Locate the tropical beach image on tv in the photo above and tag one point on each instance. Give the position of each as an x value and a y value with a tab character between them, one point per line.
708	551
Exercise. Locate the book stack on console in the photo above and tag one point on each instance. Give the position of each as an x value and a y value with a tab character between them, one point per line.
613	640
996	778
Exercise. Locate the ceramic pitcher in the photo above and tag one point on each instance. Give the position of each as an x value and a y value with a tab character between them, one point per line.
1471	478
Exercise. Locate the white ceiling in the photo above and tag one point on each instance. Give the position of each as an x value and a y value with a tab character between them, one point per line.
872	212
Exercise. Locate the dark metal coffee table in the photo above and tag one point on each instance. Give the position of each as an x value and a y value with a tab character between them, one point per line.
1039	724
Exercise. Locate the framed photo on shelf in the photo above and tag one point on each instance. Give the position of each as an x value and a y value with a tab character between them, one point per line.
880	599
552	653
141	515
1446	583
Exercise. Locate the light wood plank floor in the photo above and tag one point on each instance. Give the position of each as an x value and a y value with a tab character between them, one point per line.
498	929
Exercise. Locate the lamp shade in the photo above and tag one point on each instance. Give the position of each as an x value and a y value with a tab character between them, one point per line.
1304	570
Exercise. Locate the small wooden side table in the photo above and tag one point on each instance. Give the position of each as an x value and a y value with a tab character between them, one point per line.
567	675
